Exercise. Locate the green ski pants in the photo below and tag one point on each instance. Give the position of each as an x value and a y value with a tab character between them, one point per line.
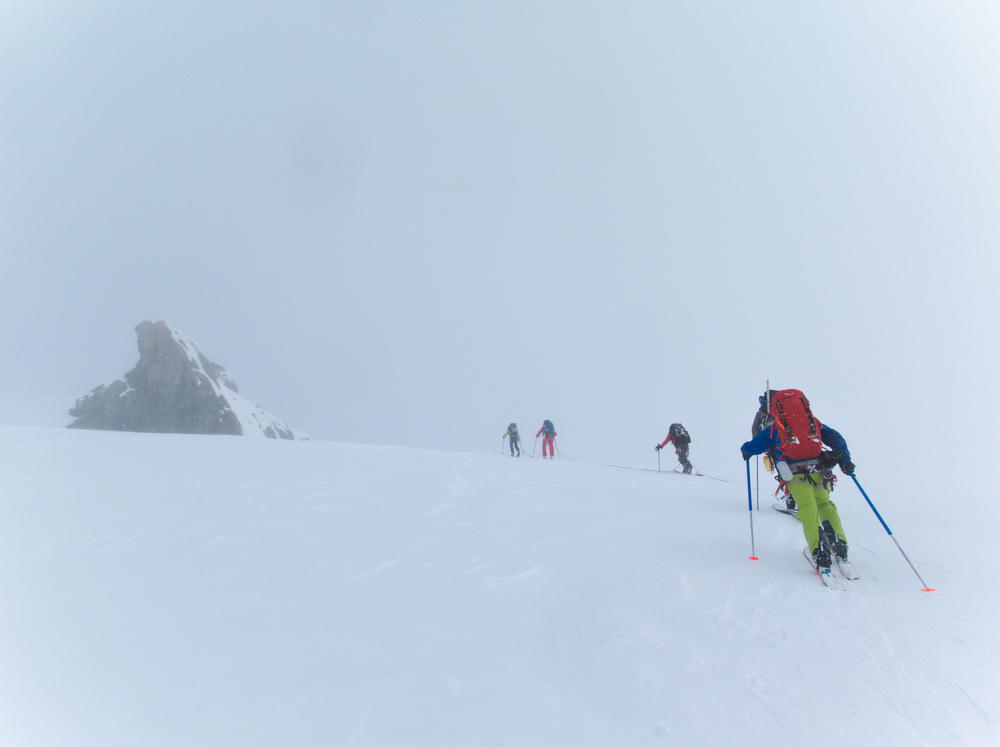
815	507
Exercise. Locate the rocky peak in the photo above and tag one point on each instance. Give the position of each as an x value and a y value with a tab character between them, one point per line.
175	388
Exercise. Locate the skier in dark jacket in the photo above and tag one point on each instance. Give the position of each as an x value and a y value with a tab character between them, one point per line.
515	438
682	441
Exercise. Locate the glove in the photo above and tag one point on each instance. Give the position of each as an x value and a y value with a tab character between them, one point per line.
658	447
847	467
746	457
828	459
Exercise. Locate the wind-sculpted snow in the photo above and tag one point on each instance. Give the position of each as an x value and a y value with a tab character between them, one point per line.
259	592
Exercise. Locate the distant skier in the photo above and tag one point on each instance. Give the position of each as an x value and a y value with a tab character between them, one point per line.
797	438
514	438
682	442
549	441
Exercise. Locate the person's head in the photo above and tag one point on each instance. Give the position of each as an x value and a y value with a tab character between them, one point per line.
766	397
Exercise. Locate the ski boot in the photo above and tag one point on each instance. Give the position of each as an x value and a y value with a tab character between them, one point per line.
834	544
840	549
821	557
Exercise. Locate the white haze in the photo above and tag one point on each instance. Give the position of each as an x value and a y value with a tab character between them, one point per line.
413	222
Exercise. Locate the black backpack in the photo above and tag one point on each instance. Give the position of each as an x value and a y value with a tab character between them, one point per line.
548	428
679	433
760	421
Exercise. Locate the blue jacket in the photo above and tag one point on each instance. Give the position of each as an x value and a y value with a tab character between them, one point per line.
768	438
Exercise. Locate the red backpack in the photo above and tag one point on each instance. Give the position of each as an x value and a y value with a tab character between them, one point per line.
799	433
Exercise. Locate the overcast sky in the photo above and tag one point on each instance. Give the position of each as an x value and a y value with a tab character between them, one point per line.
413	222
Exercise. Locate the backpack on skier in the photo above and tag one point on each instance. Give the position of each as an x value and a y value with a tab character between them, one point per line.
548	428
799	432
512	431
680	434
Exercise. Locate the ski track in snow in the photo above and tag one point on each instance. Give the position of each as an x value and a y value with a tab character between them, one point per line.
163	590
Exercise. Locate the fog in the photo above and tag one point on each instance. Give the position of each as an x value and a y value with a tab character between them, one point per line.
414	222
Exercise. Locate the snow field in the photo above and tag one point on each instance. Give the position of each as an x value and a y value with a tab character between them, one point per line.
165	590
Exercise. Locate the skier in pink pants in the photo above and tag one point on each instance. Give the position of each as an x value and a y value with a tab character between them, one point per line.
549	442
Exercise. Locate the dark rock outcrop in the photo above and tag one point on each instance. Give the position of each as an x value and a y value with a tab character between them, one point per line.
174	388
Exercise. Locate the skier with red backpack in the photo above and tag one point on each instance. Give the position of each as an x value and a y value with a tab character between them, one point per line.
797	439
762	420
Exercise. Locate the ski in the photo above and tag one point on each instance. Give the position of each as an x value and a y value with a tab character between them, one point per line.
844	567
847	569
694	474
666	471
827	578
782	508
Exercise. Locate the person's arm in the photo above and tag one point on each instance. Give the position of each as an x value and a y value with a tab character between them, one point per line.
758	444
835	441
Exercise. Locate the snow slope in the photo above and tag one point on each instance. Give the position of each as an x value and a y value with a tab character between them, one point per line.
189	590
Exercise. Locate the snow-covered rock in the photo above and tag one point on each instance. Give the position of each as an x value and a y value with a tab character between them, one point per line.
175	388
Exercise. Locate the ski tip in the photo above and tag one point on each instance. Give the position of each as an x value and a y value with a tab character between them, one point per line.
754	557
928	589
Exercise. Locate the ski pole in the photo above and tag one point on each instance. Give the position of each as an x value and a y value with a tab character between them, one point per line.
767	397
758	482
657	460
889	532
533	447
501	445
753	544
